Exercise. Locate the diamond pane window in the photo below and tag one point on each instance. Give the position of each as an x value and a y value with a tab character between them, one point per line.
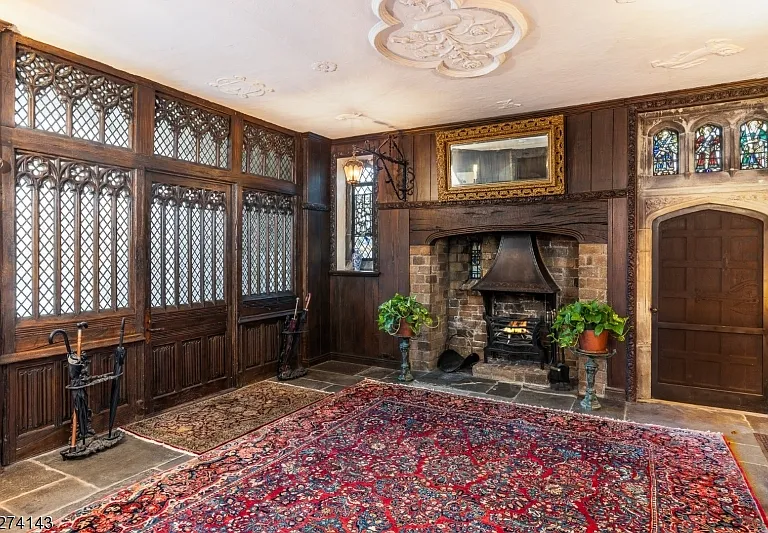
666	153
189	133
91	225
189	239
49	90
708	149
475	260
267	244
267	153
362	200
753	143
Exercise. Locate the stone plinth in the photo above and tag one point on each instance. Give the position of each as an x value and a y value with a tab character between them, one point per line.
522	373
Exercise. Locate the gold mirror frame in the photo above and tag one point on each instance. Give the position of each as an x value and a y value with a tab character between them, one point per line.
553	127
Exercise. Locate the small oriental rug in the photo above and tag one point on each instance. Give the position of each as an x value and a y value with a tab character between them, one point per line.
380	458
209	423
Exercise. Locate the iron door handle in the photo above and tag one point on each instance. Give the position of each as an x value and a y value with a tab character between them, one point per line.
654	310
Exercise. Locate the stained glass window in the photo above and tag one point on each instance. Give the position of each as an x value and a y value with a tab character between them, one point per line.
475	260
666	153
709	149
362	196
753	143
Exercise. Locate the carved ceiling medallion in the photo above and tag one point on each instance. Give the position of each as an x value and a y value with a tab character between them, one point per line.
686	60
458	38
240	86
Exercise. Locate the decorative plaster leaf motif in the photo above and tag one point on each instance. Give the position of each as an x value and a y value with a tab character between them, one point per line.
239	86
458	38
685	60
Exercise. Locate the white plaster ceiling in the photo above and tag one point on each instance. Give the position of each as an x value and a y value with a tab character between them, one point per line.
576	51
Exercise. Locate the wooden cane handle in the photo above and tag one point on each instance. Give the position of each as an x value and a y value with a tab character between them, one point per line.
79	342
73	439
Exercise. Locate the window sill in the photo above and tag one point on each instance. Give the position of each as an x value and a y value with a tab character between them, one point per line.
356	273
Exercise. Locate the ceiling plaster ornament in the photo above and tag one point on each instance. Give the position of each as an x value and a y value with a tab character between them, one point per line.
508	104
685	60
458	38
240	86
325	66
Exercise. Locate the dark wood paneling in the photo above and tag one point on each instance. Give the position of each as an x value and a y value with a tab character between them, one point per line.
259	348
617	284
578	153
620	142
602	150
586	221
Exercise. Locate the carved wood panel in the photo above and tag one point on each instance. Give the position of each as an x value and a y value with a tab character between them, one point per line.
259	347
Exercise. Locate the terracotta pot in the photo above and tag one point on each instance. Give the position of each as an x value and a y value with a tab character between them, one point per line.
589	342
405	329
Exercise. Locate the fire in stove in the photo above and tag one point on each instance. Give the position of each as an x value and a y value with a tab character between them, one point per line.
518	337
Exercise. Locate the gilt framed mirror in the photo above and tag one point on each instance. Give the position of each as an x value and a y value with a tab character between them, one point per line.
506	160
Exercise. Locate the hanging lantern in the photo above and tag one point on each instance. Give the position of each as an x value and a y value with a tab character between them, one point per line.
353	170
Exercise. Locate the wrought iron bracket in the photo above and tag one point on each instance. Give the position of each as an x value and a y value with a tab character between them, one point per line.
403	181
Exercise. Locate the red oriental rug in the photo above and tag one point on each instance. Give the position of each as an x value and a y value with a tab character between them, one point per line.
386	458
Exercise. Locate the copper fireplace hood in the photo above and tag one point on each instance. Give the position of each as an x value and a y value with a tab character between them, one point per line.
518	268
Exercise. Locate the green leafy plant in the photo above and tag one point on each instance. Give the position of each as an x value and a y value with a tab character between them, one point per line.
574	319
399	306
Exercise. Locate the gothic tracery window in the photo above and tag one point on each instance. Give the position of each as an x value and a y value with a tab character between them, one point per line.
666	153
708	149
753	145
267	244
189	133
475	259
267	153
73	227
187	246
58	97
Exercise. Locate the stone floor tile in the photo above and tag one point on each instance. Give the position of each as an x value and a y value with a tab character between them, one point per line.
45	500
375	372
541	399
758	423
23	477
608	409
334	388
111	466
473	386
746	453
173	463
340	367
732	425
334	378
757	475
505	390
310	383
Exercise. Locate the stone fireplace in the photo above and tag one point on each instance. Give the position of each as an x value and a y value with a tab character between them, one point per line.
442	278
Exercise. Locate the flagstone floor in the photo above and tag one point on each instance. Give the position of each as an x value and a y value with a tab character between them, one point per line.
48	486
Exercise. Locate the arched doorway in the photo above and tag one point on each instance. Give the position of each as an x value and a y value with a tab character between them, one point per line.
709	315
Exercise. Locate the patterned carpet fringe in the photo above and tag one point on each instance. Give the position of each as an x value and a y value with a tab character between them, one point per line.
384	458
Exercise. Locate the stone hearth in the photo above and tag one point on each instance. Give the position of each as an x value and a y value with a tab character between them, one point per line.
440	279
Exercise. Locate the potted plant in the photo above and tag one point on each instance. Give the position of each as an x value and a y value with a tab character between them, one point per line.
403	316
587	324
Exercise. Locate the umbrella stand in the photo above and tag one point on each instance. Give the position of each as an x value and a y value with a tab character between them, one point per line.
288	363
84	441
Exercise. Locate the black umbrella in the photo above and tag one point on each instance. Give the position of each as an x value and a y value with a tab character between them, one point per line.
114	398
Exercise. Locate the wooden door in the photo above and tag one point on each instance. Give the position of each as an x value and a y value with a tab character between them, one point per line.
188	354
709	319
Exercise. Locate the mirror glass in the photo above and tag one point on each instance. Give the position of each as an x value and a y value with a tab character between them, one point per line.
500	161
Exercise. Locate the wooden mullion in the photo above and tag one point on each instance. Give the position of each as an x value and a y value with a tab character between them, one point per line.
77	191
176	214
31	107
57	251
96	259
69	104
163	231
36	251
103	126
113	223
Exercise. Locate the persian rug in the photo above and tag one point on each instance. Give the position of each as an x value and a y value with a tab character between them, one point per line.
209	423
762	440
381	458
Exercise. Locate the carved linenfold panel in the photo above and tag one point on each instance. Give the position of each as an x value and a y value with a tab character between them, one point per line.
35	397
191	363
55	96
189	133
187	246
93	219
259	343
163	369
217	356
267	244
267	153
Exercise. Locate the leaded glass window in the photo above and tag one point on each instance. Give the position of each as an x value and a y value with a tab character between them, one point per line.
362	199
187	246
666	153
708	151
267	153
58	97
475	260
267	244
73	226
753	143
189	133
